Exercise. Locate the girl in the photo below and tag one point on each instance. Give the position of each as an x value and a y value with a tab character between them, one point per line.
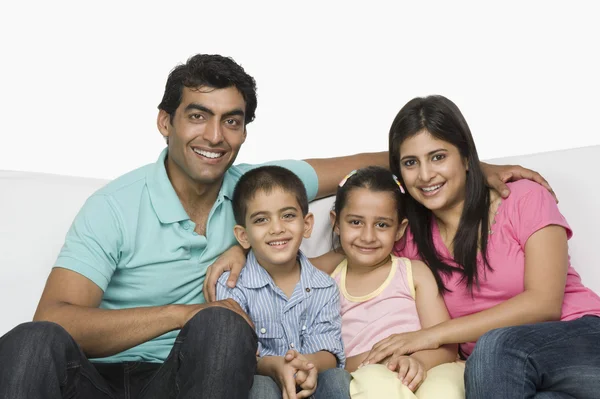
502	266
382	294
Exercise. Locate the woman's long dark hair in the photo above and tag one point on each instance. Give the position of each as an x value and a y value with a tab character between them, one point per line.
442	119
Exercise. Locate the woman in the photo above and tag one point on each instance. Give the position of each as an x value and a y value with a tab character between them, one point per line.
502	266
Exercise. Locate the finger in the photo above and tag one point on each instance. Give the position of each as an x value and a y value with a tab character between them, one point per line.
301	377
377	355
305	393
310	386
290	386
233	277
208	287
300	364
418	380
403	370
413	369
498	183
290	355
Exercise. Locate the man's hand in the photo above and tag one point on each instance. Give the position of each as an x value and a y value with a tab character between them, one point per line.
189	311
410	371
497	175
232	260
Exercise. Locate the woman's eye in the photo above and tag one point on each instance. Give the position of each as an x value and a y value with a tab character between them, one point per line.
410	162
439	157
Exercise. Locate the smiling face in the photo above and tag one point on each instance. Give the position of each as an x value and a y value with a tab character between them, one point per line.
368	227
434	172
274	228
204	135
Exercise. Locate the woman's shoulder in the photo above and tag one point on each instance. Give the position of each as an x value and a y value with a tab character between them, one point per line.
522	188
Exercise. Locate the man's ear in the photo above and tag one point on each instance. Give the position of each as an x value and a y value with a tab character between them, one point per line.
401	229
241	236
163	122
334	226
309	223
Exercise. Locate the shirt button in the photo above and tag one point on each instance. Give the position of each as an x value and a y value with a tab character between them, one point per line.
307	289
292	345
263	330
303	328
186	226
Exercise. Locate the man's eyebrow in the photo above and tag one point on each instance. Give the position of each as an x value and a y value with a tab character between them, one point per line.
198	107
428	154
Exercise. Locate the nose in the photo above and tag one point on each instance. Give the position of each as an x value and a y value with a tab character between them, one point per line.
367	234
426	172
277	226
213	133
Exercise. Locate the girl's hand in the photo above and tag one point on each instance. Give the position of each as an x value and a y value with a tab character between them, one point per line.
410	371
397	345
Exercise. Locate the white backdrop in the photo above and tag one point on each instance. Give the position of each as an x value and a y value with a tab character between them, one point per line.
80	81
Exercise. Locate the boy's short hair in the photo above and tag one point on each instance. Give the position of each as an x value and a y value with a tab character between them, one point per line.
266	179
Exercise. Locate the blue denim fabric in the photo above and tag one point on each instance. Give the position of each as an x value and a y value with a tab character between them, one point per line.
331	384
214	356
545	360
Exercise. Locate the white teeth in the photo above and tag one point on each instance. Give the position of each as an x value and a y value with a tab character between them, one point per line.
274	243
433	188
208	154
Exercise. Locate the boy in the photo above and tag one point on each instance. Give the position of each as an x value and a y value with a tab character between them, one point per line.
294	307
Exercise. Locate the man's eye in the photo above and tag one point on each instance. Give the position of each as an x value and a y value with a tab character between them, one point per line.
197	116
232	122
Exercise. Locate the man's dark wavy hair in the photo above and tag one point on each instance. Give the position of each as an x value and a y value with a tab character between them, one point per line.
213	71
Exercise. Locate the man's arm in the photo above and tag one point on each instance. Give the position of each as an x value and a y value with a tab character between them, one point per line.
332	170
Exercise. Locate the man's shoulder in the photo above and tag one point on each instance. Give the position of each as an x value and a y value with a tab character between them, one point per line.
132	180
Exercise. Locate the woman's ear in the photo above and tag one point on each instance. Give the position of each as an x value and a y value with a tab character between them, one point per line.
334	225
241	236
401	229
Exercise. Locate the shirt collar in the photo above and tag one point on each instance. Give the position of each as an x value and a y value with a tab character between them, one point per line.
309	275
165	201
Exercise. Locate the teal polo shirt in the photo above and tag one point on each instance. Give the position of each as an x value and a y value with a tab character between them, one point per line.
135	241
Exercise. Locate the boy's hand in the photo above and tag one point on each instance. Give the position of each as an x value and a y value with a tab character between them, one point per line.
287	371
410	371
306	380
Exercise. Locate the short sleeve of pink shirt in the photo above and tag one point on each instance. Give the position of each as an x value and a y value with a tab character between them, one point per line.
529	208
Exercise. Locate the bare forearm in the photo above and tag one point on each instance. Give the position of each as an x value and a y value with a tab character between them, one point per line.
267	366
102	332
332	170
322	360
524	308
431	358
353	362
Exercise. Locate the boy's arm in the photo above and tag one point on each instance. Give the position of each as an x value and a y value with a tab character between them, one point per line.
432	310
323	338
328	261
353	362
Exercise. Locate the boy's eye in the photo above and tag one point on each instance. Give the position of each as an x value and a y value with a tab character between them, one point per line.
289	216
259	220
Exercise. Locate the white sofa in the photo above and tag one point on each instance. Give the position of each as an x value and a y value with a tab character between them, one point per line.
37	209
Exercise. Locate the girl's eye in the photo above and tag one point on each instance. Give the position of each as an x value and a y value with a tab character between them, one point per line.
354	222
439	157
382	225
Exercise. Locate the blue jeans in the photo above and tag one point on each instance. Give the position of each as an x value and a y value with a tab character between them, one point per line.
214	356
558	359
331	384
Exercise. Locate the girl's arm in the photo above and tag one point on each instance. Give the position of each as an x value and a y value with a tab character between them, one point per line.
432	310
546	265
353	362
328	261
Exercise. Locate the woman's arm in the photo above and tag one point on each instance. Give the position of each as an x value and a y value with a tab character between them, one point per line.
546	265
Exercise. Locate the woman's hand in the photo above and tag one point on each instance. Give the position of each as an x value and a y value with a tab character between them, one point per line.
397	345
232	260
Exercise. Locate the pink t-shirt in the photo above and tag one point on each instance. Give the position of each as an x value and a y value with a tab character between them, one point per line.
529	208
390	309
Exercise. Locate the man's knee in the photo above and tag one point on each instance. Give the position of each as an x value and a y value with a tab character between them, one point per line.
34	337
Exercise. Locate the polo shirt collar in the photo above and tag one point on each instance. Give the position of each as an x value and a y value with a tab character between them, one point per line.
165	201
309	275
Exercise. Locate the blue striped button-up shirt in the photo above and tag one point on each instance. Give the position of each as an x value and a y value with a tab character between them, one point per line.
309	321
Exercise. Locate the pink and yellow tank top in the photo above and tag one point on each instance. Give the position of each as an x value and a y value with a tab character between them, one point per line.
390	309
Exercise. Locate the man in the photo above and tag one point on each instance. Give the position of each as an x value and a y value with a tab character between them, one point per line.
126	290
